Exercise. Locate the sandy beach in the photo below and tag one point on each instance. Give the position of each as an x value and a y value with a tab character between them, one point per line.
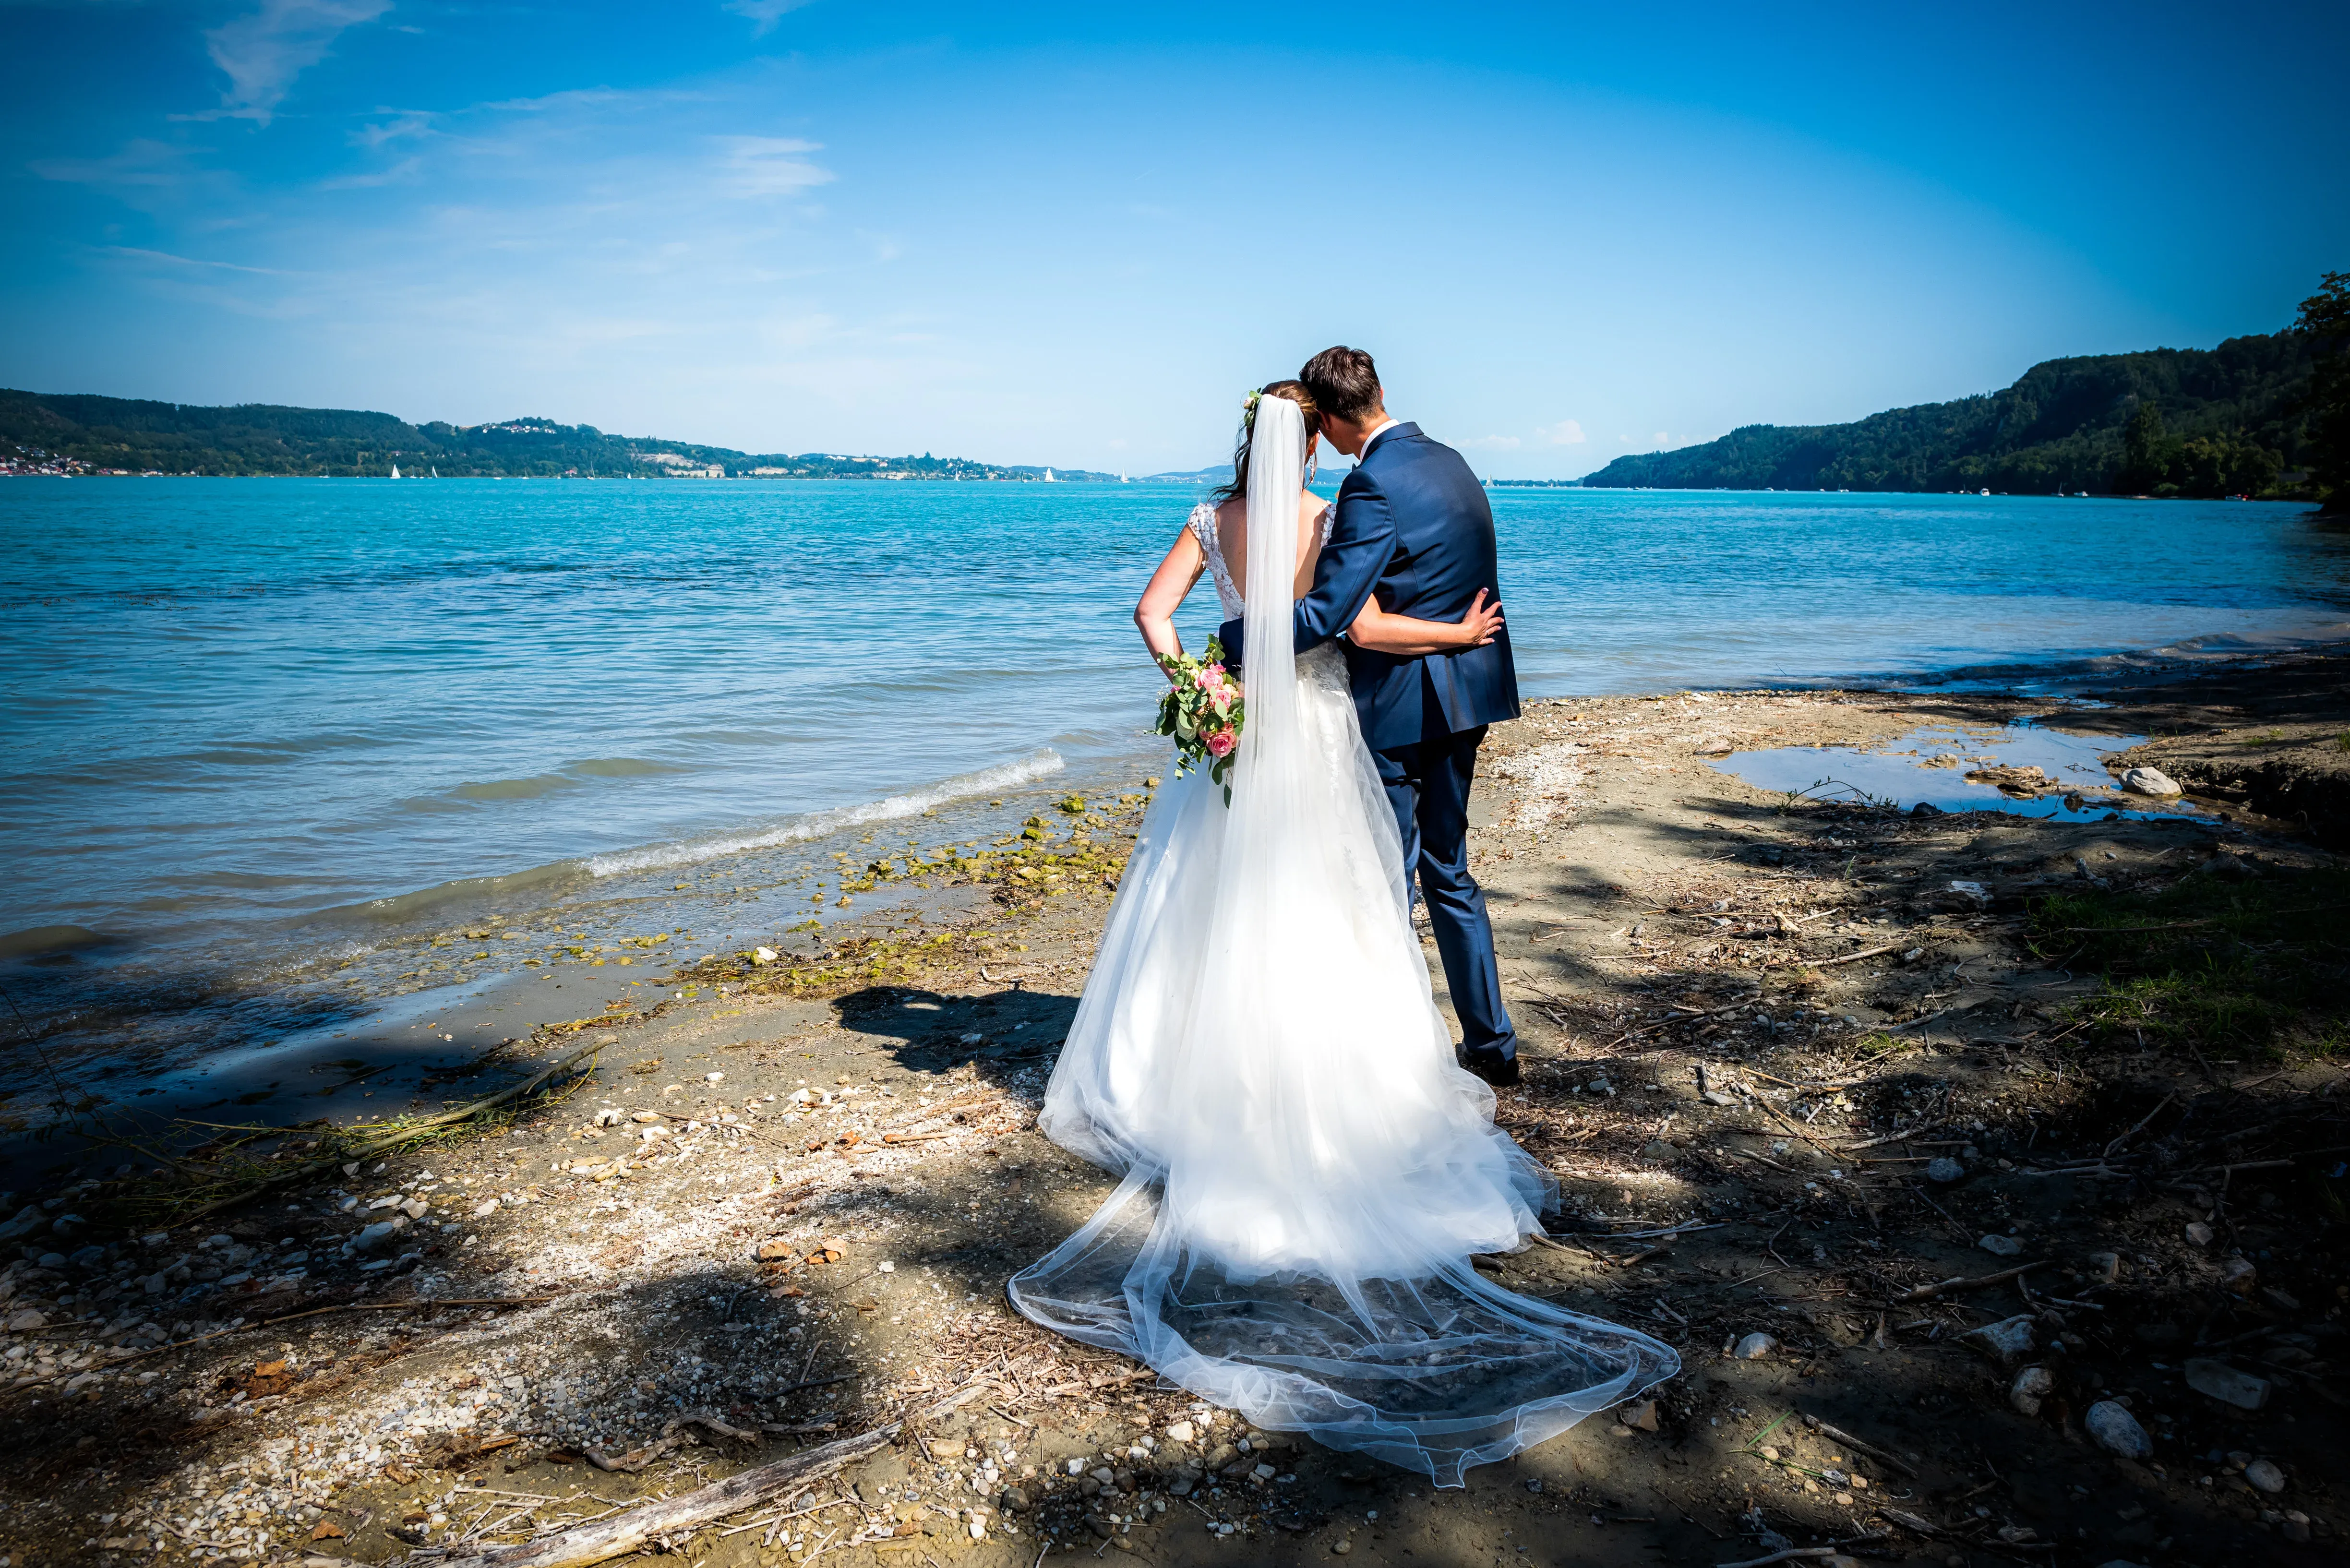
1985	1166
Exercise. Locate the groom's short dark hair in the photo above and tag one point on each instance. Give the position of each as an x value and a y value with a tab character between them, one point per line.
1344	382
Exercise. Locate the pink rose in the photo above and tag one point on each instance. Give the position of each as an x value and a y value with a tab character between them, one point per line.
1205	680
1220	743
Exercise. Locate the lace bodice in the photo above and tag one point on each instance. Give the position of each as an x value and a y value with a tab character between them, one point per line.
1202	523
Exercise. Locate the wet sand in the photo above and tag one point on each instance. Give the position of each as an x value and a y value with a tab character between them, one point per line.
1751	1024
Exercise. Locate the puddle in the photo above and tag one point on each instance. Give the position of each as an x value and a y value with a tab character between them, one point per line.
1931	765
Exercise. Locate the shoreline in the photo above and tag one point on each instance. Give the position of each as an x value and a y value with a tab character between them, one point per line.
312	1019
1751	1021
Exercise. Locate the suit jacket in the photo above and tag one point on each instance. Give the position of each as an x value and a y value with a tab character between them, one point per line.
1414	527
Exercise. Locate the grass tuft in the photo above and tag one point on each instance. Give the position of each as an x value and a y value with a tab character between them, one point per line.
2208	962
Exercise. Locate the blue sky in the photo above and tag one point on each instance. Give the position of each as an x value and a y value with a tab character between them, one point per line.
1073	234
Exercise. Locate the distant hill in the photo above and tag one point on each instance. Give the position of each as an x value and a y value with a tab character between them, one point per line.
122	434
2169	421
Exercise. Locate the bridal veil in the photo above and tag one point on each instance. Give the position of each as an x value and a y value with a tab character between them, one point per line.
1306	1171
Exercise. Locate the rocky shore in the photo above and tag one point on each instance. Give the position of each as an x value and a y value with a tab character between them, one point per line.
1986	1167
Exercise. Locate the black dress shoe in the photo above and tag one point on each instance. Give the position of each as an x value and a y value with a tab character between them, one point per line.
1495	1069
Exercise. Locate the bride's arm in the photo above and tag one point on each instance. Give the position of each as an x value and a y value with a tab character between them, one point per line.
1376	630
1164	596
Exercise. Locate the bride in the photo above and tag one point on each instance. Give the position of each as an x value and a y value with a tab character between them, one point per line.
1306	1169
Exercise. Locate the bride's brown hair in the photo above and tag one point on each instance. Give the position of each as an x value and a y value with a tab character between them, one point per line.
1296	393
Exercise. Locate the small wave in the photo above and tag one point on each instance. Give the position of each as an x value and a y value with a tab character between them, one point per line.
402	907
513	789
1037	764
622	768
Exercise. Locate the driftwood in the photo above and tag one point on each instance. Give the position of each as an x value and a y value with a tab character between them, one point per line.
635	1530
1831	963
1958	1283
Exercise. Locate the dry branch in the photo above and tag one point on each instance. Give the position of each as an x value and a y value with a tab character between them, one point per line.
1959	1283
633	1530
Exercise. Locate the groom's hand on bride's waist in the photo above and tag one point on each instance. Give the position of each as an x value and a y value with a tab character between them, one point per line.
1230	634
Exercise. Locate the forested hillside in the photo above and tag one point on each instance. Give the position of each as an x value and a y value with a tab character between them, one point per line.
2169	421
141	437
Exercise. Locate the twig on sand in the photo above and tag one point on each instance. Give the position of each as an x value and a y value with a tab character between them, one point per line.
1871	1449
2114	1147
633	1530
1959	1283
1791	1553
1831	963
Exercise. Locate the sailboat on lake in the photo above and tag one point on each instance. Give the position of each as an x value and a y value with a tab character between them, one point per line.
395	471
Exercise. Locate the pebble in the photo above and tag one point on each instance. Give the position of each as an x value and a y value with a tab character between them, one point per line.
1641	1416
2150	782
373	1238
2104	1267
2117	1430
1754	1347
1181	1432
2031	1386
2199	1232
2006	1246
2217	1380
2006	1342
2264	1475
1942	1168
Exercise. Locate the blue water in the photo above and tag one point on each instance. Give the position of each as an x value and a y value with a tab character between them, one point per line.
261	728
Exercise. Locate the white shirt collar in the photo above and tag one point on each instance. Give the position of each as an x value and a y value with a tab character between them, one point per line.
1382	430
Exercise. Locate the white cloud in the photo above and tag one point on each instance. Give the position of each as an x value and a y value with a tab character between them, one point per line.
1566	432
265	52
133	253
765	14
406	123
401	173
770	165
141	163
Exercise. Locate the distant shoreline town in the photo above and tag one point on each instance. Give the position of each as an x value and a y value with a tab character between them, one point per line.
77	435
29	463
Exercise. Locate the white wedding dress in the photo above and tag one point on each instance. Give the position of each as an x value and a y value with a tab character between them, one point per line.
1306	1170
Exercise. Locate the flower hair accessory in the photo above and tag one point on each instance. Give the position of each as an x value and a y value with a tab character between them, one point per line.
1249	403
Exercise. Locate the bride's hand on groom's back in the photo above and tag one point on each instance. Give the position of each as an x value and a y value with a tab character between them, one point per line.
1407	637
1482	623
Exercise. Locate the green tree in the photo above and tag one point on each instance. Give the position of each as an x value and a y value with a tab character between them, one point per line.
2147	452
2324	319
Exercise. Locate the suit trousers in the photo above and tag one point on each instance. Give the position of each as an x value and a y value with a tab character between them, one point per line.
1427	785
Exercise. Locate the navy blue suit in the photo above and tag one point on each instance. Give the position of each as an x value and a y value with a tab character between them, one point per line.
1414	528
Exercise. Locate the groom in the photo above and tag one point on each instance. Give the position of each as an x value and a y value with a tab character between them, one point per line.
1413	528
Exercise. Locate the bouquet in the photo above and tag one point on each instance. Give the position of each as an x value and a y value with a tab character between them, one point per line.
1202	710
